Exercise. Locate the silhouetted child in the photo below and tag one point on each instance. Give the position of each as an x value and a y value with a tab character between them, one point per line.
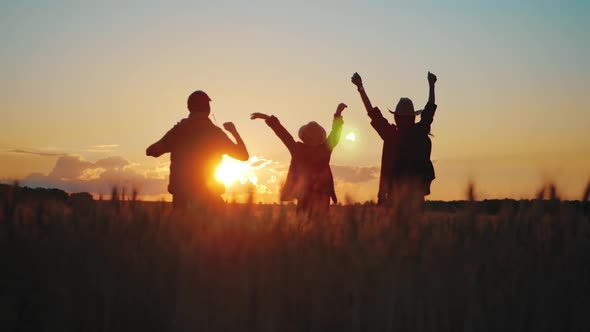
406	169
309	179
196	148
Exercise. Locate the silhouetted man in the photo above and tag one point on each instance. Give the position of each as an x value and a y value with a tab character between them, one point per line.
196	147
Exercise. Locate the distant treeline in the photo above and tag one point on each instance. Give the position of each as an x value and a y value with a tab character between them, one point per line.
26	194
492	206
495	206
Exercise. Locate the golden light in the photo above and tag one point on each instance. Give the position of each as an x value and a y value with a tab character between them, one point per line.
232	171
351	137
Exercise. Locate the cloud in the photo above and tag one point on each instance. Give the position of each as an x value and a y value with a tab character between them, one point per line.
70	168
359	183
105	146
355	174
259	175
112	163
49	152
355	183
264	177
101	148
37	153
74	174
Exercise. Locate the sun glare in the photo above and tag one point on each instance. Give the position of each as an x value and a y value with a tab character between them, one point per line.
351	137
233	171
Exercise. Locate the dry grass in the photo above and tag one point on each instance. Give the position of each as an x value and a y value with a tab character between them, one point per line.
132	266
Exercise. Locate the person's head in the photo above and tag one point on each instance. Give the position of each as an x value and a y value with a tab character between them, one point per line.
312	134
404	114
198	103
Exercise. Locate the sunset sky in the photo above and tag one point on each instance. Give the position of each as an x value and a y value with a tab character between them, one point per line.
84	89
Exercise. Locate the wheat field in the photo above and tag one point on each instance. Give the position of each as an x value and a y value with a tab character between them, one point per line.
125	265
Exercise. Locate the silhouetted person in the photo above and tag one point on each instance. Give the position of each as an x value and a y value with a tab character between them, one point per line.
196	148
309	179
406	169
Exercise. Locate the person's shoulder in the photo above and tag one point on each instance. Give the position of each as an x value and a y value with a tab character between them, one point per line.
200	124
299	146
217	133
178	127
182	123
422	128
217	130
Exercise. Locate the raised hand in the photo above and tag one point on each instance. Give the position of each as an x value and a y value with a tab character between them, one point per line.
262	116
229	126
357	80
340	108
431	78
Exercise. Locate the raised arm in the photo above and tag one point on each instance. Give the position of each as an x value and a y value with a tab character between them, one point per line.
357	80
379	123
337	123
431	81
238	150
278	128
428	114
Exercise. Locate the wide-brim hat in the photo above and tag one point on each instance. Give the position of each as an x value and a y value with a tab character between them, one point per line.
405	107
312	134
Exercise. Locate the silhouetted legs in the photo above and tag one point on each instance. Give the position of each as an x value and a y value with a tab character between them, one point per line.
182	202
407	194
314	203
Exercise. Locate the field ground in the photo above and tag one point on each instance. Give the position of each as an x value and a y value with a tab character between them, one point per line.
132	266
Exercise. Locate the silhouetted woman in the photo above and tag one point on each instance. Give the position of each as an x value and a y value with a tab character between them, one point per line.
406	169
309	179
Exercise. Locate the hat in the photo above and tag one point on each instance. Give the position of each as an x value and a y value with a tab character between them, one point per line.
405	107
196	99
312	134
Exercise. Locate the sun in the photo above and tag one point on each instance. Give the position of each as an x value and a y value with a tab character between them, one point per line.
232	171
351	137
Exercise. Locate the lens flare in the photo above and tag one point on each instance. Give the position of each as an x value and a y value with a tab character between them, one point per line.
351	137
232	171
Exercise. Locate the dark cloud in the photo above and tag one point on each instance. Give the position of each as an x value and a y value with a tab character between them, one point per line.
355	174
73	174
70	168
